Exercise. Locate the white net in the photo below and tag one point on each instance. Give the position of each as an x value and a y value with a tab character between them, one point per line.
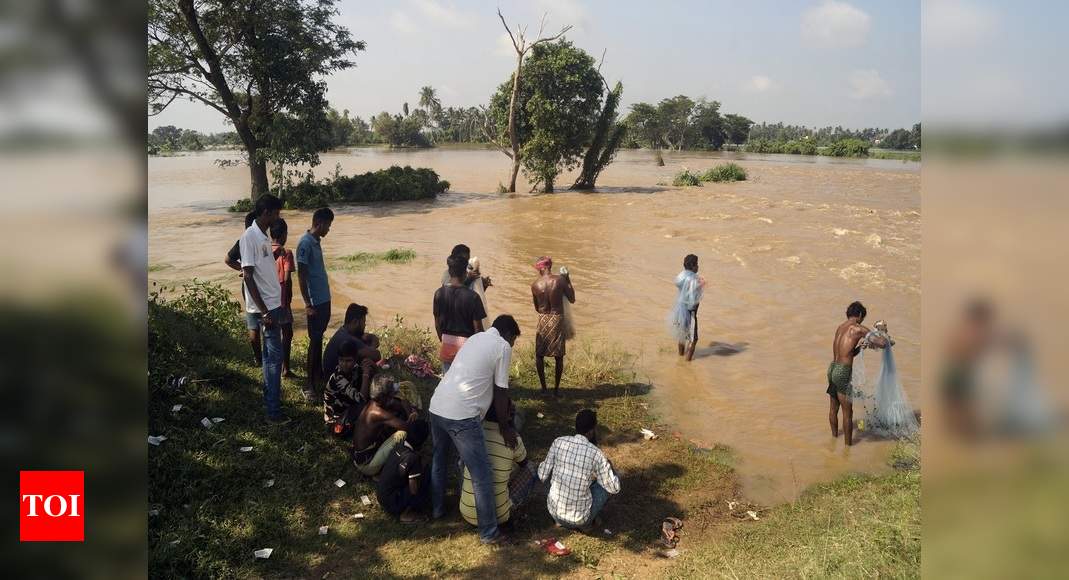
887	410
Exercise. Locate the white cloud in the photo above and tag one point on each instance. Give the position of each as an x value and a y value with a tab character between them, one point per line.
560	13
835	24
760	84
448	16
956	23
402	23
868	84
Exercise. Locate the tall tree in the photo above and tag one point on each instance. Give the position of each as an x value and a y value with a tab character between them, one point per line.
259	63
675	115
608	133
519	42
737	128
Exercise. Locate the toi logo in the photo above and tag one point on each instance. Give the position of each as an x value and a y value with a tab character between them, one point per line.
52	506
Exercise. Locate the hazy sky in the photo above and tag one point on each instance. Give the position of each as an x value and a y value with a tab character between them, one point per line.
854	63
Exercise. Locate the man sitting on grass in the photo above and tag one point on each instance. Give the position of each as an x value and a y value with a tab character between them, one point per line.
380	426
504	462
343	398
353	331
402	489
581	477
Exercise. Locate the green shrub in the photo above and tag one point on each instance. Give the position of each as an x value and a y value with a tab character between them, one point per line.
725	172
848	148
392	184
187	326
365	260
686	179
794	147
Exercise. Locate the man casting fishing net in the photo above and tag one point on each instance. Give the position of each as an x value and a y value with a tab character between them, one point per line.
850	338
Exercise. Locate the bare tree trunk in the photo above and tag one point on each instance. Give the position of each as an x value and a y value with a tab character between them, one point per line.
258	173
513	136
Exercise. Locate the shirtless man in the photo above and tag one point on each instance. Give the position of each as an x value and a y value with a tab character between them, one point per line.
849	340
372	440
549	292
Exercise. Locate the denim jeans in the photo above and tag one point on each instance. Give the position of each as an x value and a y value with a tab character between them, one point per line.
272	340
466	435
598	497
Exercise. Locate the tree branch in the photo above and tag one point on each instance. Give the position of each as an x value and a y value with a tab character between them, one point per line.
552	38
511	36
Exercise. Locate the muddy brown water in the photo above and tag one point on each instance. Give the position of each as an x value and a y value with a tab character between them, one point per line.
784	253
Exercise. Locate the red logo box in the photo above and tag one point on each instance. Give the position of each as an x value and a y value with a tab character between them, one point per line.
52	506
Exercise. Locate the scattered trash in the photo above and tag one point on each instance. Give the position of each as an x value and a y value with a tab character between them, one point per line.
245	449
647	434
672	553
540	416
554	546
365	500
323	530
176	408
303	448
340	483
218	419
670	532
269	483
607	531
264	553
420	366
358	516
731	505
156	439
175	542
207	423
753	515
153	513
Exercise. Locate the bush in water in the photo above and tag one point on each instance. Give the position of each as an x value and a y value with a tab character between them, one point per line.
393	184
725	172
685	178
848	148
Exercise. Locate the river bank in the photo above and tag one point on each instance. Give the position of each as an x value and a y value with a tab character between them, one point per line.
212	507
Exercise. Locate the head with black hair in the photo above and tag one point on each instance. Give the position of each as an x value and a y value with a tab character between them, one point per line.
461	250
856	310
690	262
249	218
267	209
347	355
321	221
458	266
507	327
280	231
356	319
586	424
417	433
382	389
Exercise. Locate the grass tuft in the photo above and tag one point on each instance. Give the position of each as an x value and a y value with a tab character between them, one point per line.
725	172
686	179
368	260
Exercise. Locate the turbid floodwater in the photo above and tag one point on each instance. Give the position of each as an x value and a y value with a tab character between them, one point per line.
784	253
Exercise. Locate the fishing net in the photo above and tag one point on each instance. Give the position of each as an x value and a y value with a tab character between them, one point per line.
887	410
691	288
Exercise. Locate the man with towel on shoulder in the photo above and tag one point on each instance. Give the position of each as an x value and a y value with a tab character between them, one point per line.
549	292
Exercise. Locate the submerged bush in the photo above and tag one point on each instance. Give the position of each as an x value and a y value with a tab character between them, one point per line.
794	147
725	172
848	148
686	179
393	184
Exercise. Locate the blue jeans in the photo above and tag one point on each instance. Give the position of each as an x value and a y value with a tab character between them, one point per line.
272	341
466	435
598	497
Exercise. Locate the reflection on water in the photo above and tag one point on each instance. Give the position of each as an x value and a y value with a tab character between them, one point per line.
784	253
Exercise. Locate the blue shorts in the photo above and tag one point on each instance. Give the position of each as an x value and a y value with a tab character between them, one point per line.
317	325
252	319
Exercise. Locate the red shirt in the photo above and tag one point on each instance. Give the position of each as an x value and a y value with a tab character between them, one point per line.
286	267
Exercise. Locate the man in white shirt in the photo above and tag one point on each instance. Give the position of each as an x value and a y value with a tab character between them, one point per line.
263	299
478	377
581	477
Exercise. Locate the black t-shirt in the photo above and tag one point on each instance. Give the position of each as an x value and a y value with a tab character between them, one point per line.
456	308
330	354
402	464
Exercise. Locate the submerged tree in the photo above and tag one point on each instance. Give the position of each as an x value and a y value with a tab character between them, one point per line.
260	63
519	42
606	139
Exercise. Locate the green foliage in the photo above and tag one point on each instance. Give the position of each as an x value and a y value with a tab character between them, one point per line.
400	131
606	139
793	147
847	148
736	128
725	172
392	184
686	179
188	325
367	260
557	109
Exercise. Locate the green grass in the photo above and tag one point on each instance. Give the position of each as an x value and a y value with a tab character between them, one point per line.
725	172
894	154
158	267
686	179
368	260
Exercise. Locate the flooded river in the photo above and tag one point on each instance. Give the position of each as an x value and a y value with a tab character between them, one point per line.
784	253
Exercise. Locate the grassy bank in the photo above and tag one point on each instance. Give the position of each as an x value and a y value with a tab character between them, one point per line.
368	260
214	509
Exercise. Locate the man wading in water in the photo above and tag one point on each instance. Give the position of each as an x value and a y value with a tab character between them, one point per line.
549	292
849	340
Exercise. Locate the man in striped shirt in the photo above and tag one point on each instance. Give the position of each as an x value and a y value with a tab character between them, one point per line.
503	460
581	477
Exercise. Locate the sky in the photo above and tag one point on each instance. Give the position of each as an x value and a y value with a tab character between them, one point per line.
810	62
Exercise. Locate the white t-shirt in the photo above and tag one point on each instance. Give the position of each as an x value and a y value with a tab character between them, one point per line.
256	251
467	390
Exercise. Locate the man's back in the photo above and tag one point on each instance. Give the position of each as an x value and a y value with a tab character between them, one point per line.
548	293
502	460
571	465
456	308
467	389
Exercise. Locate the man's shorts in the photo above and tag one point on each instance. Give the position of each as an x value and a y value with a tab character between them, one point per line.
252	320
317	325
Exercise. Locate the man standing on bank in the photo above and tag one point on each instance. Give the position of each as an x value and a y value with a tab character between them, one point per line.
549	292
315	290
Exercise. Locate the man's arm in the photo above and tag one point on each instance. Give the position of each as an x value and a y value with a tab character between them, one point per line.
606	476
545	469
569	291
874	341
437	310
302	281
233	257
254	293
501	407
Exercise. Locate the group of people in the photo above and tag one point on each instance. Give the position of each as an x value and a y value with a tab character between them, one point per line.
470	414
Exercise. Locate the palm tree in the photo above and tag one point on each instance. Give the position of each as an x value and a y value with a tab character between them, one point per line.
428	100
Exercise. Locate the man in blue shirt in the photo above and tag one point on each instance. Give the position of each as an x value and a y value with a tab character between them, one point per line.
315	289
